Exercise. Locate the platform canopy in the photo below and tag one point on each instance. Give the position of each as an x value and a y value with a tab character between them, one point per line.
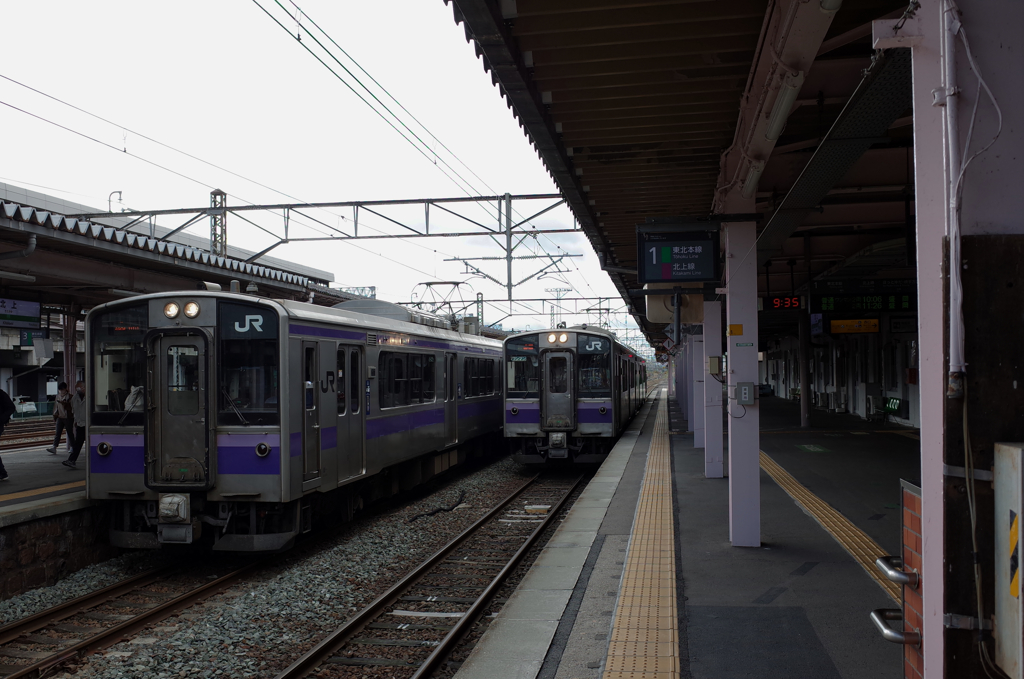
647	109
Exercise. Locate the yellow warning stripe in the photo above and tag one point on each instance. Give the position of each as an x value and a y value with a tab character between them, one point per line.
855	541
645	632
1014	556
40	491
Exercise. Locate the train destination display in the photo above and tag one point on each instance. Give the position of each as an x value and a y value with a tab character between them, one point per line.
685	257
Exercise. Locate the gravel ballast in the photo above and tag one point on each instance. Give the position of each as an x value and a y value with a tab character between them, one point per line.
259	627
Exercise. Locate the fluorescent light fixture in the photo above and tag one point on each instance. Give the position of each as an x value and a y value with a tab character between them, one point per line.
831	6
788	93
753	176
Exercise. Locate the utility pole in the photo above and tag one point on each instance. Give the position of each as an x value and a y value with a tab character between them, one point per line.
556	315
218	223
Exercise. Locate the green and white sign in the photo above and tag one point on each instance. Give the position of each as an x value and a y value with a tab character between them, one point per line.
18	313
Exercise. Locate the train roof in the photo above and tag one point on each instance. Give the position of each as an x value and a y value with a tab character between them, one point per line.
596	330
315	313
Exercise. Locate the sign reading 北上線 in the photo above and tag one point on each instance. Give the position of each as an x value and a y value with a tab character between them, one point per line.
19	313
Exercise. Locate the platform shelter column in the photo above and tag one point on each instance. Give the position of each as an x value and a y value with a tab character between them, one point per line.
688	368
741	346
713	467
697	388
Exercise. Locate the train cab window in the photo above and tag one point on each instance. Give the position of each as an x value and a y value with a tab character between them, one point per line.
339	383
595	361
119	365
182	380
355	378
247	366
522	361
558	380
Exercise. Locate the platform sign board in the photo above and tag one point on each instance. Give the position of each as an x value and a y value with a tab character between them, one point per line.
845	303
856	325
682	256
864	286
19	313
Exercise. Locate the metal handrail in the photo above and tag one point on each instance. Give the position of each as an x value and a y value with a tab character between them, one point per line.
881	616
892	568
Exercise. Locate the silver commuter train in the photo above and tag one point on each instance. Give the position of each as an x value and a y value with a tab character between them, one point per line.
230	419
569	393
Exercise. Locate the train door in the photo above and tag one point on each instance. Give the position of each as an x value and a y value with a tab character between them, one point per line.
178	423
350	413
310	412
558	398
451	399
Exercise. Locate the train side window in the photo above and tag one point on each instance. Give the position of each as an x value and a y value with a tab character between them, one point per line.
429	378
340	382
487	376
415	378
356	380
559	383
310	377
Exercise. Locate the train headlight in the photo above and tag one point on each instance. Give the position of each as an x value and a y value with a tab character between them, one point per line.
262	449
551	338
104	449
192	309
171	310
563	337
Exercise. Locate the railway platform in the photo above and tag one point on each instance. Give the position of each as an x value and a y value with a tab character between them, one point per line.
37	484
641	580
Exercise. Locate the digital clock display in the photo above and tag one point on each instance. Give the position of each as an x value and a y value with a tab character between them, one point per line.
780	302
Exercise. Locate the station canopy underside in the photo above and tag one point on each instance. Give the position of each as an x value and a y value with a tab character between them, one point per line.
633	105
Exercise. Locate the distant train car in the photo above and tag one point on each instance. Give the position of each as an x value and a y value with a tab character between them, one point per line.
231	420
569	393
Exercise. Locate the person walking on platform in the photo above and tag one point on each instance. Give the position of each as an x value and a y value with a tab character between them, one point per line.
78	411
7	409
63	417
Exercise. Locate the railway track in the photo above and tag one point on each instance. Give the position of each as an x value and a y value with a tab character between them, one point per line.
29	434
33	646
411	629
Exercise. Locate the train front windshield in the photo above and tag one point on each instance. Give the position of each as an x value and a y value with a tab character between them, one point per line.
247	371
119	366
595	361
522	358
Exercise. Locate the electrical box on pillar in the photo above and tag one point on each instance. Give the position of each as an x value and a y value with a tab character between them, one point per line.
714	365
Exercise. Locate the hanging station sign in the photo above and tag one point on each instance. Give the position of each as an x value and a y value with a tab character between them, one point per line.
18	313
667	255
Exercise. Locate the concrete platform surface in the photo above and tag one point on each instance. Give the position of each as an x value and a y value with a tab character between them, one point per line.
34	474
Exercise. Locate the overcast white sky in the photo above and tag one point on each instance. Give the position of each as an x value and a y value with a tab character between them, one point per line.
222	81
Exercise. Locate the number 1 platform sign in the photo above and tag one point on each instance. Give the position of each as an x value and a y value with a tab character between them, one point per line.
676	256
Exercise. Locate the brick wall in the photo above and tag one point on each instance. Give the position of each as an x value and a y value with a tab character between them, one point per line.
42	551
913	661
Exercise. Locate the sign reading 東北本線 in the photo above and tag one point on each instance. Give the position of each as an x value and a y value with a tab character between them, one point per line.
18	313
677	256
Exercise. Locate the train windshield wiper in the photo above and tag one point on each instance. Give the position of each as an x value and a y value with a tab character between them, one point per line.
241	417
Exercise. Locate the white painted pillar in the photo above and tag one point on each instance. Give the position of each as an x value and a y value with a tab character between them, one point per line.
697	380
744	441
713	467
688	368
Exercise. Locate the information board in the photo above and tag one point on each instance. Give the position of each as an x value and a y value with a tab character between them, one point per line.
681	256
854	303
854	325
18	313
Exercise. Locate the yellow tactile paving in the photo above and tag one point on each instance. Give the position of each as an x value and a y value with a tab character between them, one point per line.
855	541
645	631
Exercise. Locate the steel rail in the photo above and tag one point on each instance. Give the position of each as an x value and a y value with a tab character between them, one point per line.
112	635
339	637
12	631
451	640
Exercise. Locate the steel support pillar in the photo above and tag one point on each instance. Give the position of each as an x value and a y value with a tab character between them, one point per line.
688	368
744	420
697	380
713	466
70	345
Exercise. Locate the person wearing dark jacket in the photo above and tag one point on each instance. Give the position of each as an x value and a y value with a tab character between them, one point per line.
62	417
79	414
7	409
